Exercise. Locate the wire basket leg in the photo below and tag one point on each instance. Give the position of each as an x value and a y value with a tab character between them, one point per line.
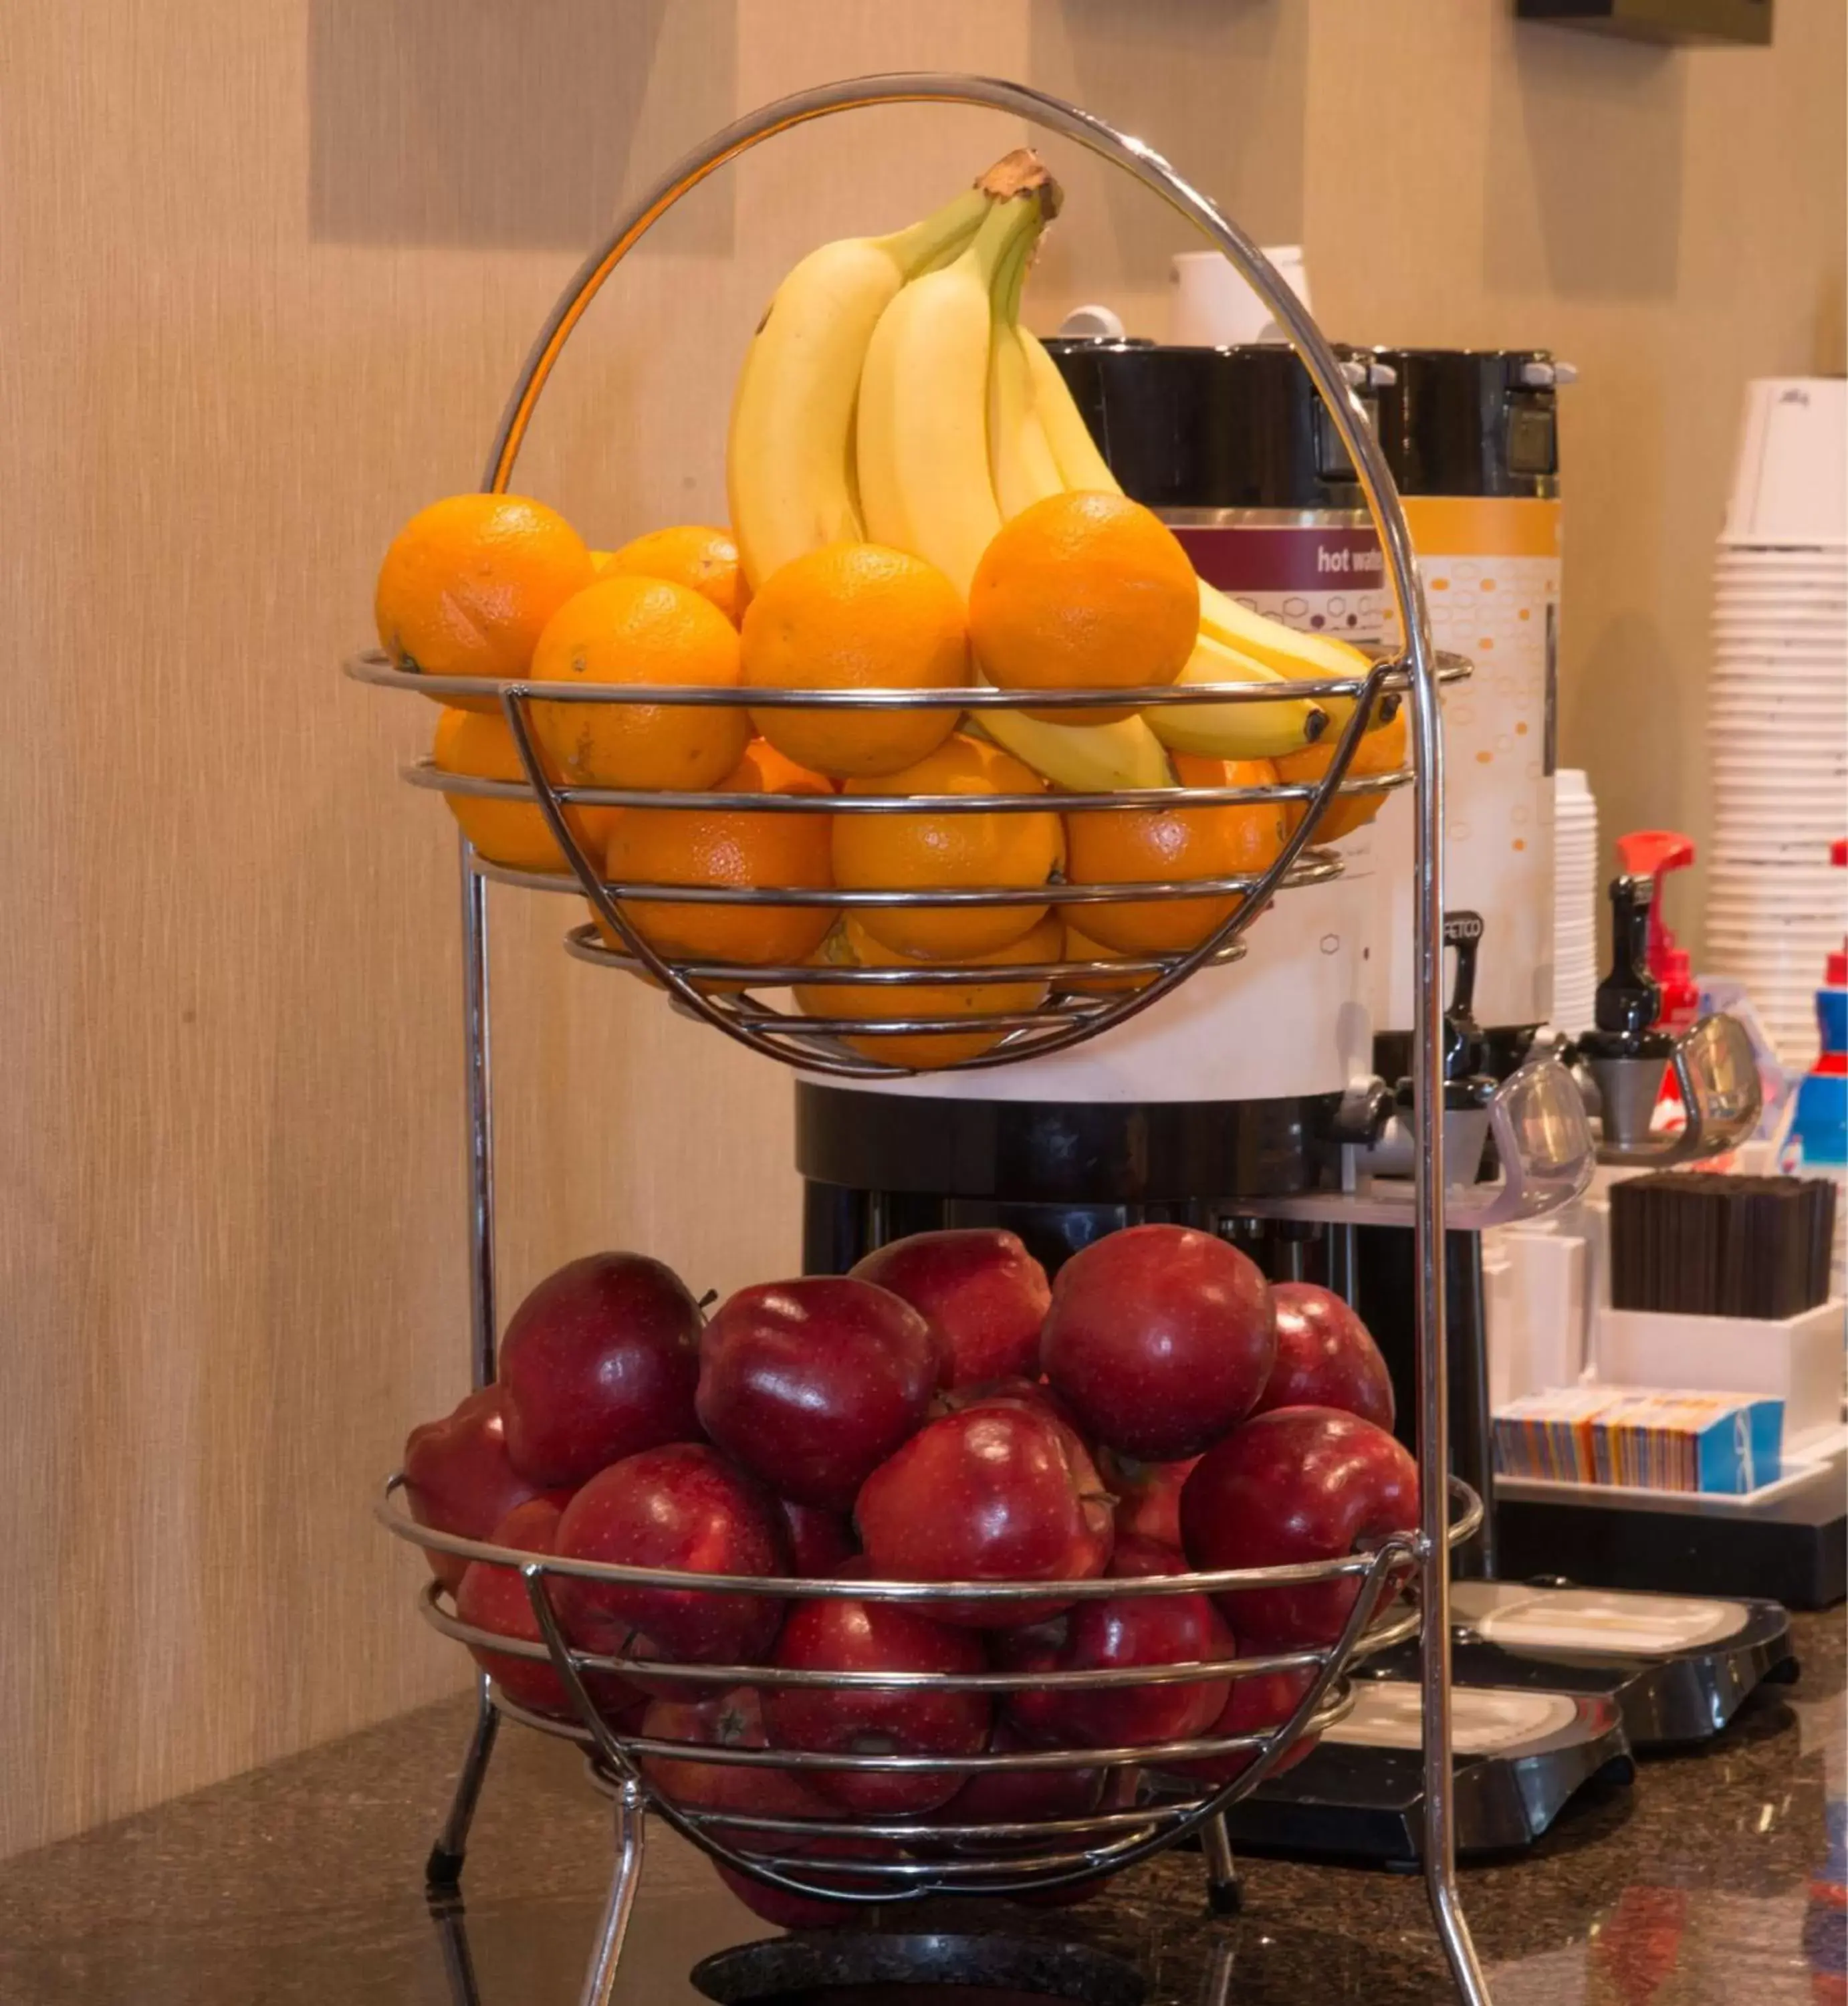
443	1869
599	1981
458	1963
1225	1893
478	1059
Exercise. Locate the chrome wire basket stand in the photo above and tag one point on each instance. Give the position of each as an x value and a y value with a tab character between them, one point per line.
1390	1594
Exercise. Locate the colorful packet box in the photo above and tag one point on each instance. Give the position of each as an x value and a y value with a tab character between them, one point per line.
1633	1438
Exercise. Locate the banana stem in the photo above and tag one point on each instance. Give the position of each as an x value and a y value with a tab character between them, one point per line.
1015	223
941	236
1010	280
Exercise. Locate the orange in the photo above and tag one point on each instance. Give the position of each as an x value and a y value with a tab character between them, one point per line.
851	945
693	554
855	616
1083	591
640	630
908	853
510	832
1381	750
718	847
468	583
1079	946
1148	846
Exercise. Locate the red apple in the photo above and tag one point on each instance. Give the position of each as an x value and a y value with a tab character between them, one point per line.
812	1383
1160	1339
458	1477
821	1544
979	1287
1148	1496
854	1636
1114	1635
1023	1797
1011	1392
682	1506
730	1719
1326	1357
814	1912
496	1598
1266	1700
600	1362
995	1493
1299	1484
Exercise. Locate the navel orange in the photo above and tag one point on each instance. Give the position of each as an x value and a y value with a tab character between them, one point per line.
1080	947
693	554
855	617
724	847
1083	591
468	583
851	945
640	630
513	833
1152	846
1381	750
904	852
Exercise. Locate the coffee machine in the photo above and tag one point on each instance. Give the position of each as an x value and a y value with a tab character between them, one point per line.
1241	1084
1257	1100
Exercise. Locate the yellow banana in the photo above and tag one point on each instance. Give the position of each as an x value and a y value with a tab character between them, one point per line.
1217	731
1080	758
1224	731
922	449
789	459
1291	656
1020	458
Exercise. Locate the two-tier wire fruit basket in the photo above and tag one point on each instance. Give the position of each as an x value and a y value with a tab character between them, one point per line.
1024	1819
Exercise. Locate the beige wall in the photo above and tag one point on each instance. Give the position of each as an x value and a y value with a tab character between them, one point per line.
266	283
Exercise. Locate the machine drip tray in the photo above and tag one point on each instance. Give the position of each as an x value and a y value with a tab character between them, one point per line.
1679	1666
852	1969
1525	1746
1555	1687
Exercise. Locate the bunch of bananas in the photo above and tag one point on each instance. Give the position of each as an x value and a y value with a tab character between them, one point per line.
890	394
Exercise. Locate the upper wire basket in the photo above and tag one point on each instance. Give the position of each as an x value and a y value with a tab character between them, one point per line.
991	1016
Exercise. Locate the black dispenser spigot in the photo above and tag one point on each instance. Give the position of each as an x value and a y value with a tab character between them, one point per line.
1626	1055
1629	999
1467	1083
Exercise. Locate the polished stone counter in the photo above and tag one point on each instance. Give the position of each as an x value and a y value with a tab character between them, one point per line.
1709	1881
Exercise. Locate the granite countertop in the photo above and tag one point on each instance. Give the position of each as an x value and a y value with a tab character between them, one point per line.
301	1882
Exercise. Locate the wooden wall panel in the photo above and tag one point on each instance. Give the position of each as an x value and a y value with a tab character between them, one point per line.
268	268
1671	220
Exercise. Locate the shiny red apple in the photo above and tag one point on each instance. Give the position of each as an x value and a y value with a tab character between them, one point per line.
458	1477
1160	1339
496	1598
989	1492
1023	1797
1013	1391
1264	1700
814	1912
686	1507
1114	1634
821	1544
600	1362
812	1383
854	1636
1148	1496
1296	1484
732	1719
1326	1357
979	1287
